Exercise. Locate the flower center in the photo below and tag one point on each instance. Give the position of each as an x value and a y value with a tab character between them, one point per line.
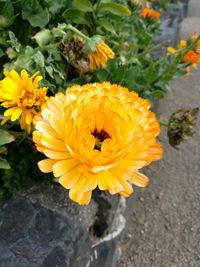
99	138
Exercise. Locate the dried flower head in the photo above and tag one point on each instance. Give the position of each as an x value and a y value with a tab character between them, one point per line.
98	134
181	125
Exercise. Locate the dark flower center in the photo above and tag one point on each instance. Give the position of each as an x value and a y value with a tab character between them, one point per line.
99	138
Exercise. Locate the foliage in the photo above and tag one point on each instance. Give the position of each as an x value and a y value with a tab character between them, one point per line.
23	160
5	138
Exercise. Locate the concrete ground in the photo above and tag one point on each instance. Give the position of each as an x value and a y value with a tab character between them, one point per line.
164	230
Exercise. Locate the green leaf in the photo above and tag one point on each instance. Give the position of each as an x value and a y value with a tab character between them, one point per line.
119	74
115	8
1	53
150	74
43	37
106	25
25	59
4	164
35	14
38	59
49	70
130	77
158	93
6	14
14	42
101	75
83	5
5	137
75	16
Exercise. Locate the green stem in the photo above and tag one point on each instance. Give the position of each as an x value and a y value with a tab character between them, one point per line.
164	123
150	49
73	29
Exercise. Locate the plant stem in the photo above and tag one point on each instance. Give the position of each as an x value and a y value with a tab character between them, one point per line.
164	123
73	29
155	47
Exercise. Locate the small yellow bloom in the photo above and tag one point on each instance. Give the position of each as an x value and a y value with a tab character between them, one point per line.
22	97
100	56
97	135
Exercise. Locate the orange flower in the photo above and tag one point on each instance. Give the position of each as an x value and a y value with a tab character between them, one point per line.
98	134
149	13
192	57
98	58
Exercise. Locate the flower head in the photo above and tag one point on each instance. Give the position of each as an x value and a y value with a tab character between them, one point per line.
149	13
98	52
22	97
192	56
181	125
98	134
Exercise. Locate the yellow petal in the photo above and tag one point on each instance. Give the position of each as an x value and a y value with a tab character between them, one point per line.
78	188
10	111
139	179
56	154
52	143
85	198
69	179
171	50
46	165
28	116
64	166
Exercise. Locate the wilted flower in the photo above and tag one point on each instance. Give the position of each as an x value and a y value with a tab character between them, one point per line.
97	135
22	97
98	52
181	125
149	13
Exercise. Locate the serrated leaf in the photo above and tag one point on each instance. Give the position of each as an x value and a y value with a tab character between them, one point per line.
115	8
14	42
24	60
106	25
38	59
5	137
75	16
83	5
4	164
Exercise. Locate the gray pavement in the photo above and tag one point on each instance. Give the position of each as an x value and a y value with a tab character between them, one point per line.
165	227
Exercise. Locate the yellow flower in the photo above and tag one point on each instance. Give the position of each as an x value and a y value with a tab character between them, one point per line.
98	134
192	57
100	56
22	97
